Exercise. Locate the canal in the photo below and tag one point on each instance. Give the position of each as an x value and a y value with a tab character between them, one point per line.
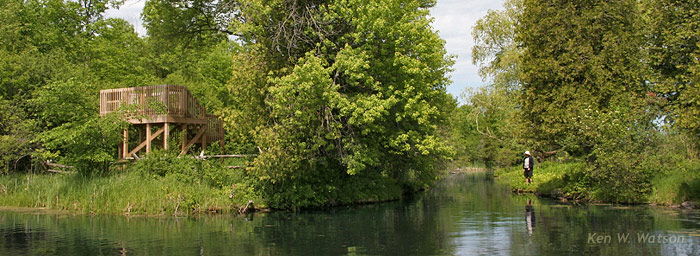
464	214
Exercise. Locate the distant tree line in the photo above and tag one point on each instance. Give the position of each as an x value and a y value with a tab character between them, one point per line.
610	83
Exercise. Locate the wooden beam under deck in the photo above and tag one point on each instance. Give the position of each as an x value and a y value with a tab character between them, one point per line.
202	131
146	142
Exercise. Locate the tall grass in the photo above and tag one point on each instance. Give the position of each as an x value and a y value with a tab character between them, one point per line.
134	191
678	185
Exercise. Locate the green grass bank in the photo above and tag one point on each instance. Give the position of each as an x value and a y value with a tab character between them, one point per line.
161	184
570	181
122	192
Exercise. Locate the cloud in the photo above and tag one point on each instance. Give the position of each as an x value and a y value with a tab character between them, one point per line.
454	20
131	12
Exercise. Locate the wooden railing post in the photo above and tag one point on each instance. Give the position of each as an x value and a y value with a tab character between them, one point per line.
184	137
204	137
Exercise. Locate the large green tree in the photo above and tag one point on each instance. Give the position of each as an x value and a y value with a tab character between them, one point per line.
496	51
350	89
55	57
675	59
585	87
581	59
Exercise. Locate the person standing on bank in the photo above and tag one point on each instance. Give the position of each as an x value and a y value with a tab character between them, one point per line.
528	164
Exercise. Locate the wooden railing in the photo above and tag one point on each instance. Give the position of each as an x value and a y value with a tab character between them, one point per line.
159	102
215	129
152	101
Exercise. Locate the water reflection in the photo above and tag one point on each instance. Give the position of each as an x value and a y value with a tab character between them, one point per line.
463	215
530	219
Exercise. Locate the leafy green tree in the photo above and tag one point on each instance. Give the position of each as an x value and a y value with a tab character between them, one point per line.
580	57
182	32
207	75
585	91
491	127
88	145
495	50
45	46
117	56
16	133
675	59
351	90
187	22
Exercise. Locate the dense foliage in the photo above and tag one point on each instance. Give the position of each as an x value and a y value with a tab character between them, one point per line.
489	128
593	84
55	57
350	97
344	101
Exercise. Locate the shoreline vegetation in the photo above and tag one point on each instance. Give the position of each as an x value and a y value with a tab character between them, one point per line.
160	184
607	107
566	182
132	192
353	109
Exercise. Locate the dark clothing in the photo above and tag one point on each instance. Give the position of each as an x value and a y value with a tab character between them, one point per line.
528	164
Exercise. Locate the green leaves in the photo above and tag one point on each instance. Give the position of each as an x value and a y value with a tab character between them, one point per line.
352	89
578	56
674	57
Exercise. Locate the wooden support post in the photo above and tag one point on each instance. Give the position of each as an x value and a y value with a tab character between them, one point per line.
141	132
148	138
166	135
184	138
221	138
120	152
125	143
146	142
204	138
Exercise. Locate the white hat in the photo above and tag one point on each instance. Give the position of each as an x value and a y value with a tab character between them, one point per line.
527	152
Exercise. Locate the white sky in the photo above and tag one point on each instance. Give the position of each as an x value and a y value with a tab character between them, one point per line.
454	20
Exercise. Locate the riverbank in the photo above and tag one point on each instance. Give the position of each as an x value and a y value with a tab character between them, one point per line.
137	193
163	185
568	182
128	193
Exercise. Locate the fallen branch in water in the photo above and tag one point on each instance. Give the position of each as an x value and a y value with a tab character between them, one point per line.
249	207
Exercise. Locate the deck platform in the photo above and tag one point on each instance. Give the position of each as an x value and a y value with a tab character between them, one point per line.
165	108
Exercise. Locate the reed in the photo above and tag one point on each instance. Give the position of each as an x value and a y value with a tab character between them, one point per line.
214	189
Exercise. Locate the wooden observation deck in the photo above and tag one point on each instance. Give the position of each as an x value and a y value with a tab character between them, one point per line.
165	108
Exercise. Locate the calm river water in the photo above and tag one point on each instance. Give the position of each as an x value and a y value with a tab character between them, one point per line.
465	214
